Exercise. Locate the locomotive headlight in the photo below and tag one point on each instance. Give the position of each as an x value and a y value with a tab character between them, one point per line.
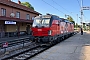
49	32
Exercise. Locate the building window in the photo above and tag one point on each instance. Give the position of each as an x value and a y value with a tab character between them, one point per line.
17	14
3	12
28	17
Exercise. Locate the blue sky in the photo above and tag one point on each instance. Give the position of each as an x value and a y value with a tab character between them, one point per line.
69	7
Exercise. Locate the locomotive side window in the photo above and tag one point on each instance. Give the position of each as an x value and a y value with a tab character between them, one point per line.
55	18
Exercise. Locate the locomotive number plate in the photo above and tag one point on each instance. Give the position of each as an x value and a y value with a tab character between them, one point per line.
39	29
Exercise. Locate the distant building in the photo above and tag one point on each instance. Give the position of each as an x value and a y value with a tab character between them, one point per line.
15	19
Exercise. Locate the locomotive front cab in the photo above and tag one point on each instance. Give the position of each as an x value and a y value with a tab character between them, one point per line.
41	28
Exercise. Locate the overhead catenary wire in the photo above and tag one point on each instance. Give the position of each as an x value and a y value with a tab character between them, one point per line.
53	6
85	17
81	8
79	3
60	6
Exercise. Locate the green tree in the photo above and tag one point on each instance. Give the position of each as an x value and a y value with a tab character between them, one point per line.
71	20
76	25
27	4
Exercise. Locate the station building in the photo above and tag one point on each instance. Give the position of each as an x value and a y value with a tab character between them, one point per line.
15	19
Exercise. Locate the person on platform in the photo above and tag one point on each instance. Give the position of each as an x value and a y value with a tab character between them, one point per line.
81	31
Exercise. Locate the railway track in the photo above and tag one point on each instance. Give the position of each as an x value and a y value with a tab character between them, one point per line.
27	54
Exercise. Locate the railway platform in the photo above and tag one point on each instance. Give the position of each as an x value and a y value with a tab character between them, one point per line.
76	47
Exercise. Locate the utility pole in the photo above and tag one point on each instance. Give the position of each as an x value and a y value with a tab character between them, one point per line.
77	21
81	17
82	14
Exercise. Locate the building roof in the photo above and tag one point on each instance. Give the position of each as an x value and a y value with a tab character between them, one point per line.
15	19
18	6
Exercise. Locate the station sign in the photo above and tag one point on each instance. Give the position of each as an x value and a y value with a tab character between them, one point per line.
86	8
10	22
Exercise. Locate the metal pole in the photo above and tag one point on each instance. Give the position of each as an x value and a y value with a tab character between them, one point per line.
81	13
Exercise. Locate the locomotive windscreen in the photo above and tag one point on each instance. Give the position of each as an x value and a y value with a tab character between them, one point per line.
41	21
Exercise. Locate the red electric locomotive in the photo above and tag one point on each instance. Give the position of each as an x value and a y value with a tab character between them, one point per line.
50	28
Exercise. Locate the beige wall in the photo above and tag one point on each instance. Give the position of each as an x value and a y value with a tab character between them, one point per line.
10	28
13	28
23	27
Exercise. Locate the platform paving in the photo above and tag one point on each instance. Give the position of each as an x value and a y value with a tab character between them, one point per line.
76	47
